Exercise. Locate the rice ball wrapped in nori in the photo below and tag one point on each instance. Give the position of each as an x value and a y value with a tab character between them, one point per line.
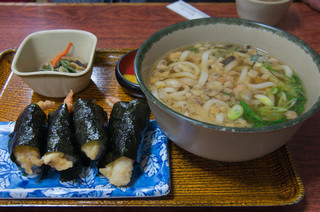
60	152
127	124
90	128
27	141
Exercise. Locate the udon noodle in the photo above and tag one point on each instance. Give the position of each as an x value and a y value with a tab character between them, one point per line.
228	84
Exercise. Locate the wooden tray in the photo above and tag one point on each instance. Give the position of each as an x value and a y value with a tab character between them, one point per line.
268	181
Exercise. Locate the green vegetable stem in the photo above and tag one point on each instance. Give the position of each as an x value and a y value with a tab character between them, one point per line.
250	115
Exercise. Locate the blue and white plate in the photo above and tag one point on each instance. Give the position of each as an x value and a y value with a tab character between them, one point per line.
149	179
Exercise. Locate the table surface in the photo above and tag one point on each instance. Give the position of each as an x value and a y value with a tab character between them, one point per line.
129	25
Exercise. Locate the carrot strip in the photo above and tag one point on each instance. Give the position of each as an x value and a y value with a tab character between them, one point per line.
58	57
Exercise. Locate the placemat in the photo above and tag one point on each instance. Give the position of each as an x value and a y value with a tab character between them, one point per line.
268	181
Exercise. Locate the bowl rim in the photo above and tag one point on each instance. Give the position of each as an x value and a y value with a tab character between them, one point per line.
51	73
229	21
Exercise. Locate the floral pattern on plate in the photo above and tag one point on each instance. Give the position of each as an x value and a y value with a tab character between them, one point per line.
150	176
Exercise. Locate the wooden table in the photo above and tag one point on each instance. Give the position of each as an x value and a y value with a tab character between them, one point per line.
128	25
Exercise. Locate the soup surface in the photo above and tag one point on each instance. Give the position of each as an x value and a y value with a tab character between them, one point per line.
228	84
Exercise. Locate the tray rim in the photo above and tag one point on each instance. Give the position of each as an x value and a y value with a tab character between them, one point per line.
108	201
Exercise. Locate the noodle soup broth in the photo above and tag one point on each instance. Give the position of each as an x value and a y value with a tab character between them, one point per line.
228	84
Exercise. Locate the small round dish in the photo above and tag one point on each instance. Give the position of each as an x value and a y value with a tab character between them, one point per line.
125	75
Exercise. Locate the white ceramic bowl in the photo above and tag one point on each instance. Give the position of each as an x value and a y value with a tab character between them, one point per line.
218	142
40	46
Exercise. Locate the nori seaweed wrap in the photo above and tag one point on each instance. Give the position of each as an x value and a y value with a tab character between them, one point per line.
90	122
127	124
60	152
27	141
